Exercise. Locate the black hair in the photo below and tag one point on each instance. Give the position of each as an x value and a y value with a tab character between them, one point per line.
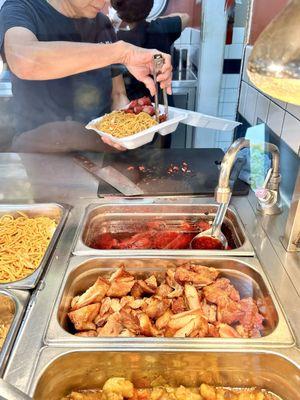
132	10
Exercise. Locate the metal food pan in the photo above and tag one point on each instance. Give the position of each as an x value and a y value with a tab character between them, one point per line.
59	371
52	210
112	218
246	275
19	301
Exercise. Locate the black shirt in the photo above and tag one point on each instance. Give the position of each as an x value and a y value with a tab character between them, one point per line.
158	34
80	97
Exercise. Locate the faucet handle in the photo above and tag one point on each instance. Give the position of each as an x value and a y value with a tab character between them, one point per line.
267	179
264	194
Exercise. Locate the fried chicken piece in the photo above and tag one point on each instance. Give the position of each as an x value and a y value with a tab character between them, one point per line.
105	306
119	386
213	331
84	317
112	328
101	319
93	295
177	288
131	302
178	305
209	311
85	395
151	282
178	321
121	286
192	297
155	307
163	290
251	319
227	331
229	311
136	291
127	333
115	305
130	322
197	325
147	329
219	290
197	275
141	288
87	333
146	288
163	321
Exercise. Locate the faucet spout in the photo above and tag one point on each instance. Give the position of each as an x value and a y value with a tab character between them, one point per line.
268	197
223	191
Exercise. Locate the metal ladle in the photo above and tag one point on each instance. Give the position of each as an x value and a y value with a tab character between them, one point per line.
214	232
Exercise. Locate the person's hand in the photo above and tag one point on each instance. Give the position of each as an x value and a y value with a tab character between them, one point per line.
119	102
139	63
112	144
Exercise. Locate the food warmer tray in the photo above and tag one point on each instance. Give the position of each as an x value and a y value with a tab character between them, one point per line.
52	210
60	370
20	300
113	218
246	274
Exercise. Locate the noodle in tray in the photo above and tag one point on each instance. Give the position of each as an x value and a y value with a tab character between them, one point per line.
23	243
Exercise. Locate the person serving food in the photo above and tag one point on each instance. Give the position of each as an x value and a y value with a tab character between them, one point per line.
64	56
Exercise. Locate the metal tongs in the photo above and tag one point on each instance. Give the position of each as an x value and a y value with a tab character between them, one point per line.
158	62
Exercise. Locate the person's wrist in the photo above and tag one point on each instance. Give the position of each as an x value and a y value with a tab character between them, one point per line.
121	50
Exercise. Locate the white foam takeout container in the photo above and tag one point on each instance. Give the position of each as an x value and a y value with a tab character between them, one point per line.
147	135
176	115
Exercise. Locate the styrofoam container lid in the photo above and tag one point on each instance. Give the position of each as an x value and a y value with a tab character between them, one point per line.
147	135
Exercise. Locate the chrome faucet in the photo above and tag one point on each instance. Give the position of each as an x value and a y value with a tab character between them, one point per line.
268	196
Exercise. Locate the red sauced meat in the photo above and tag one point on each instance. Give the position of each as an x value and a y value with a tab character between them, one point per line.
157	235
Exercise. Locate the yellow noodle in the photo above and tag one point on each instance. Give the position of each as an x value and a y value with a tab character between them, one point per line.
120	124
23	243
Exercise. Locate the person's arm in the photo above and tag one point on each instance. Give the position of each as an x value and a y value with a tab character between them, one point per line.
31	59
185	19
119	95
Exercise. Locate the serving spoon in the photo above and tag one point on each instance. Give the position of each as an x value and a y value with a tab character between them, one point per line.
212	238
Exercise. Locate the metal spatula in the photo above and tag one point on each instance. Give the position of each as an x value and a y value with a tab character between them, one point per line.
110	175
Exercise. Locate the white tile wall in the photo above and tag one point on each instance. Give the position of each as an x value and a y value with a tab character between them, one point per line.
291	132
246	57
235	51
243	95
275	118
278	102
229	109
232	81
294	110
250	104
238	35
229	95
262	108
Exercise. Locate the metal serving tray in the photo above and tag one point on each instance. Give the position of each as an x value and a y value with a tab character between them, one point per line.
51	210
19	299
246	275
113	217
59	371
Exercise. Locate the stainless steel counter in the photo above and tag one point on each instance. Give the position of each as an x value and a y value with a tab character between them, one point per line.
39	178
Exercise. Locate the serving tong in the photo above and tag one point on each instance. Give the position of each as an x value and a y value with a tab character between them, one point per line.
158	62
